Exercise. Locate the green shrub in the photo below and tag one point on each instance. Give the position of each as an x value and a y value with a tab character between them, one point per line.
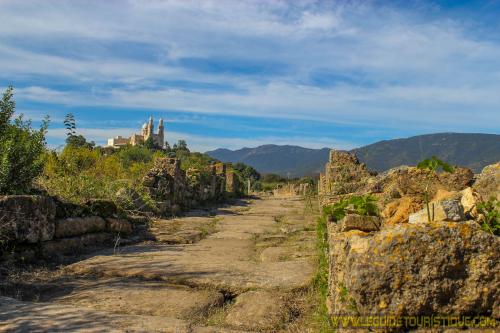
80	173
193	160
491	216
362	205
337	210
134	154
21	149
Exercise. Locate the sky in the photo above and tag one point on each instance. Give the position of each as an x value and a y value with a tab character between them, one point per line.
233	74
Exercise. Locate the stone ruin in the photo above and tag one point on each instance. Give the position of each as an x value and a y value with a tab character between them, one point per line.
343	174
41	226
174	189
403	265
292	190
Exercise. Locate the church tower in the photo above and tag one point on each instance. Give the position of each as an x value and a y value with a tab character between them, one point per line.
149	129
161	134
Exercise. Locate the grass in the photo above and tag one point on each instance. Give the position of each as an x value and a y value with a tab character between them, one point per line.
209	228
320	317
316	318
217	315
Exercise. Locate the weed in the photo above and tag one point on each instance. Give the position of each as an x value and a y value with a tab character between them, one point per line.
490	211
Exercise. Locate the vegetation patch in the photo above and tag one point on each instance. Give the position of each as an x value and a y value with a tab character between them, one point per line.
362	205
320	317
490	216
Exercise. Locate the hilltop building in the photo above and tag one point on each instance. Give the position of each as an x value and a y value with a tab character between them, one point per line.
147	132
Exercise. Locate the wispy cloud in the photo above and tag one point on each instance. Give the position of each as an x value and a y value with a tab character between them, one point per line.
365	63
204	142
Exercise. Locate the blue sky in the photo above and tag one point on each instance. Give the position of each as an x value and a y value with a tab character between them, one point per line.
233	73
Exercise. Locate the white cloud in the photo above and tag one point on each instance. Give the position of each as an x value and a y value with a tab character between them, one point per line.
402	67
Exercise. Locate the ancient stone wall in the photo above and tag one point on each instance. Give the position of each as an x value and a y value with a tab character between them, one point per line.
175	190
343	174
36	226
401	265
414	270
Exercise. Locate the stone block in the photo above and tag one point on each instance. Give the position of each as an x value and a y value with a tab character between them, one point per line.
119	225
27	218
360	222
75	226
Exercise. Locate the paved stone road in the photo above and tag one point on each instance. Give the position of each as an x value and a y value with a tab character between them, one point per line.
242	269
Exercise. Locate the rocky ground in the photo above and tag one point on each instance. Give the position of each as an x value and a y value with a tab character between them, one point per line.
241	268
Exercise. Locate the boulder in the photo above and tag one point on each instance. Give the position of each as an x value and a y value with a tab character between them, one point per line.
27	218
487	184
75	226
119	225
446	210
360	222
257	310
415	270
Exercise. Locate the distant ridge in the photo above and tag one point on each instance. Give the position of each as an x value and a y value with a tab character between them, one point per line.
473	150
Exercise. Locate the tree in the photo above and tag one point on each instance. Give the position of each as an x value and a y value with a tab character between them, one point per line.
72	138
181	145
432	166
21	148
70	124
246	171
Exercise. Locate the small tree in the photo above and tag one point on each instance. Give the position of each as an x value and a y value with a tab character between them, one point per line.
181	145
72	138
432	166
21	148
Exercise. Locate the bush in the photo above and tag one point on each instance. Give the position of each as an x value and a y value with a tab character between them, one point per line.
190	160
21	149
362	205
80	173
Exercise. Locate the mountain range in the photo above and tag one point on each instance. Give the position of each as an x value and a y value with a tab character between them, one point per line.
473	150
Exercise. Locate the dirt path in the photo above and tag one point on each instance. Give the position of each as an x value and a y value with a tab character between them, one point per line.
240	268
